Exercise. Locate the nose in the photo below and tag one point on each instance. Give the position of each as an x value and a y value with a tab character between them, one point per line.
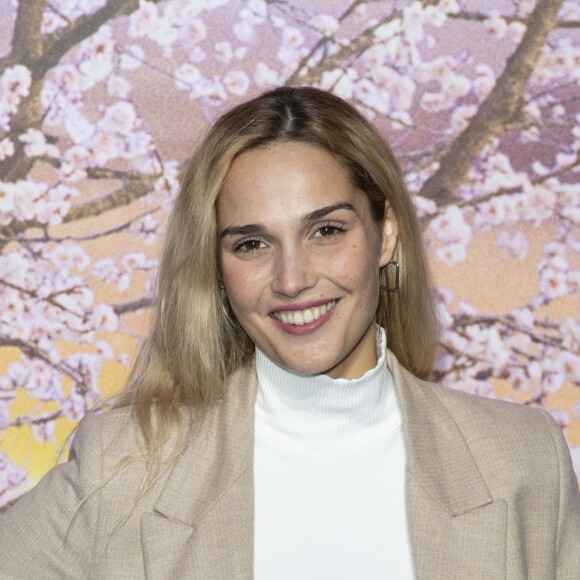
293	273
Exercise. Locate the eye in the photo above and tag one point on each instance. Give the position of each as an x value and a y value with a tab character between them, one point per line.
328	231
251	245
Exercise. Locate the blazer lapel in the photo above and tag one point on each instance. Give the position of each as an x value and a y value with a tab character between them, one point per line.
456	529
202	525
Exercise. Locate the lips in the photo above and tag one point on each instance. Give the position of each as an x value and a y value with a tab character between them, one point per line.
305	316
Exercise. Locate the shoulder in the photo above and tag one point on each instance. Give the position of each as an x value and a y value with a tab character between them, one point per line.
509	441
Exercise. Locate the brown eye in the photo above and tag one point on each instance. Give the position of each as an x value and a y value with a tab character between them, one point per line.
328	231
250	246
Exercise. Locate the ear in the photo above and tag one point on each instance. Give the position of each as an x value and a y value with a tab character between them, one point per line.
389	236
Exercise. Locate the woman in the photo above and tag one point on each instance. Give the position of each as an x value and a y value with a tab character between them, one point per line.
266	430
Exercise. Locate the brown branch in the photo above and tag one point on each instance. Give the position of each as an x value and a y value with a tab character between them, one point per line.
465	320
133	305
40	54
27	39
134	189
497	110
482	17
356	47
475	201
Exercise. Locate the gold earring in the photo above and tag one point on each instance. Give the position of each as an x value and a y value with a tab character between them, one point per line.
392	276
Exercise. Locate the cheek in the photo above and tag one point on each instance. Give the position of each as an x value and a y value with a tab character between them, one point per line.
242	284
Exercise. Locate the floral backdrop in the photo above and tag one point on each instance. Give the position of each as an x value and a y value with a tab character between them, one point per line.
102	101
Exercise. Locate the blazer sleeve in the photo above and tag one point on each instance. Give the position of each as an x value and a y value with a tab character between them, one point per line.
49	532
568	535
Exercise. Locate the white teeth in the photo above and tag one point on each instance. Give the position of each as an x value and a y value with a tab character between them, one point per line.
301	317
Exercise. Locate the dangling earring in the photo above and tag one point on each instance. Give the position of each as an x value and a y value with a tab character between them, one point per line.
392	277
224	300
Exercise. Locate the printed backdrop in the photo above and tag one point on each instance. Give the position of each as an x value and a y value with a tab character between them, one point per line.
102	101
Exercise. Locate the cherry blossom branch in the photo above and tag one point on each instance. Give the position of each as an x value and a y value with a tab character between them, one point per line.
481	17
97	235
27	39
464	320
32	351
497	109
133	305
136	187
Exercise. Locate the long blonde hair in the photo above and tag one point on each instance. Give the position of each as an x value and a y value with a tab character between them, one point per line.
195	343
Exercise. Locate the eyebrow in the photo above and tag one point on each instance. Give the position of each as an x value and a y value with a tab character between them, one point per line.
251	229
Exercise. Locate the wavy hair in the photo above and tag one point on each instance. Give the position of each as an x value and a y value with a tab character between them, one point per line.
195	342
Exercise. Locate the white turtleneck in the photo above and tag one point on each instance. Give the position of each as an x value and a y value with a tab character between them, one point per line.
329	476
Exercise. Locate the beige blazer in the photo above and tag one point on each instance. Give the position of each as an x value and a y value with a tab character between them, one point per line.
490	494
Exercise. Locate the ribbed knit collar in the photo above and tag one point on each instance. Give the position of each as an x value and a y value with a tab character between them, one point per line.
323	412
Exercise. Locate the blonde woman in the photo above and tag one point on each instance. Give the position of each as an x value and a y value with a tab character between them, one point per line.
277	424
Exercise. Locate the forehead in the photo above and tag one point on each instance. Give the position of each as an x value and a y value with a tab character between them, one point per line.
283	181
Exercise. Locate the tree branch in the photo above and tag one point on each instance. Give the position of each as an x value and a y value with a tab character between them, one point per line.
133	305
497	110
27	39
134	189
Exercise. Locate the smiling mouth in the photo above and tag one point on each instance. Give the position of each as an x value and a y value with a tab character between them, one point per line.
306	316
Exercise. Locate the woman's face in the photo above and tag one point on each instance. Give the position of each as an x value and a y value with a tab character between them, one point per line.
300	258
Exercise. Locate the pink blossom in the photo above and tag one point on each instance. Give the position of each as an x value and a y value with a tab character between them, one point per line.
104	318
164	34
96	55
449	6
495	24
518	380
292	37
514	246
244	31
68	78
36	145
552	382
118	87
15	81
450	226
264	76
413	19
68	258
570	331
484	81
325	23
237	82
78	127
517	30
143	20
568	365
451	254
553	283
223	51
74	407
455	85
424	206
461	117
523	316
436	102
119	118
435	16
6	148
186	76
519	342
51	21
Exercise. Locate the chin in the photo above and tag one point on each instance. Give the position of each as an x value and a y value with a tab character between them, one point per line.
307	368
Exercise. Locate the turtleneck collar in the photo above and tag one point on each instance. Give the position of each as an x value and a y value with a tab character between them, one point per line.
323	412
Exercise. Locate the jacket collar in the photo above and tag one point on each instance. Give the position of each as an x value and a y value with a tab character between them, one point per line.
438	456
217	457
